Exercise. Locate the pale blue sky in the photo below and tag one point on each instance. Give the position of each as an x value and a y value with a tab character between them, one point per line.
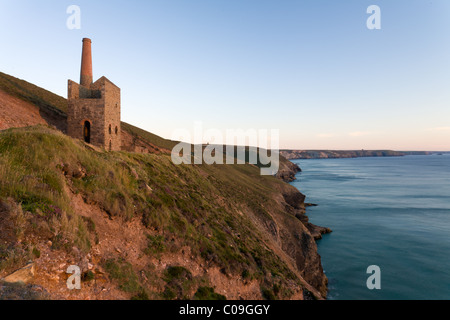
309	68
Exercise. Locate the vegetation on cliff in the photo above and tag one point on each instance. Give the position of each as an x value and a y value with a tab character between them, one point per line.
229	216
143	227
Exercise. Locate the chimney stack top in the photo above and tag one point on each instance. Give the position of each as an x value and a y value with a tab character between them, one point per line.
86	77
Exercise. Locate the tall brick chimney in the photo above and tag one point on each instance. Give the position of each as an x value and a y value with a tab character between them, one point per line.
86	78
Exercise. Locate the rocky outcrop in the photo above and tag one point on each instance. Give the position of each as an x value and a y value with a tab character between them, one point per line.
287	170
298	238
24	275
316	231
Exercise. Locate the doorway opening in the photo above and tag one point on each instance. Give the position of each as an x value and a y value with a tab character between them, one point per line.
87	132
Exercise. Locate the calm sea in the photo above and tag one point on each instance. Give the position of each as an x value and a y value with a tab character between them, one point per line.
389	212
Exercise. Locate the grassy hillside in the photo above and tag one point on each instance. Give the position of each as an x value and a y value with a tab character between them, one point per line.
52	103
150	137
229	216
31	93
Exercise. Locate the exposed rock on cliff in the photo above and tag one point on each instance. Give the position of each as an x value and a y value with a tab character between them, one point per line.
23	275
287	170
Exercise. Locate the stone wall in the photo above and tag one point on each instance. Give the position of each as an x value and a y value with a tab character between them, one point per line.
113	130
100	106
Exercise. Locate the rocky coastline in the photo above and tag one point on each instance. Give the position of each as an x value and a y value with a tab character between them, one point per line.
336	154
287	170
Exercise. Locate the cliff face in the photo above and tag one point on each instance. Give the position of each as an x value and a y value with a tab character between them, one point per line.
287	170
142	227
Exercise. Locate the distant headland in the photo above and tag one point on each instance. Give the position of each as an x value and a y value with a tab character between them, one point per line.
335	154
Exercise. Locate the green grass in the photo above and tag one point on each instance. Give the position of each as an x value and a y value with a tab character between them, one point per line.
179	283
156	245
13	257
150	137
87	276
207	293
268	294
122	272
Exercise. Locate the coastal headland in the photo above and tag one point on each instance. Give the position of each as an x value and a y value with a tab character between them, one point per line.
335	154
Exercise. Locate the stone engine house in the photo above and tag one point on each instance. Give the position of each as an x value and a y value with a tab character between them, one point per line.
93	113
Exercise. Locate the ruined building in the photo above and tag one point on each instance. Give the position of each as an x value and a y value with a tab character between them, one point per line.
93	113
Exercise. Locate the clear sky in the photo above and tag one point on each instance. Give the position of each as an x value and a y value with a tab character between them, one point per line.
309	68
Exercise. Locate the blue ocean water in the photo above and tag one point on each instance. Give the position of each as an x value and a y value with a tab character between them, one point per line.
389	212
